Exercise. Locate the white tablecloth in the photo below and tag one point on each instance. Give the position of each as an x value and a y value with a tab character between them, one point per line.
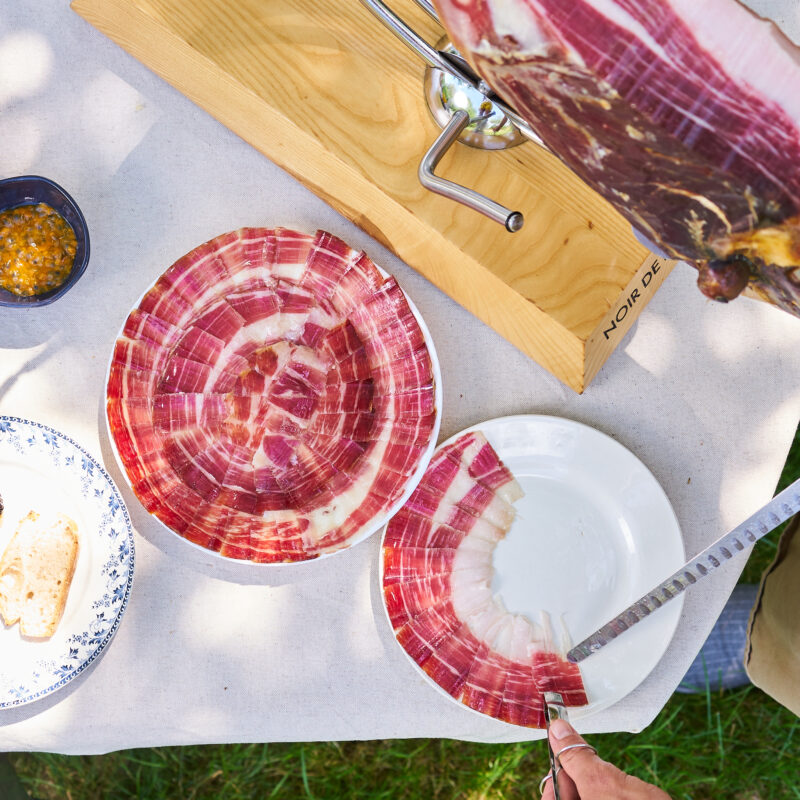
707	396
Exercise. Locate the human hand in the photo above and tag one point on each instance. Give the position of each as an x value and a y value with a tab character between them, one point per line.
585	776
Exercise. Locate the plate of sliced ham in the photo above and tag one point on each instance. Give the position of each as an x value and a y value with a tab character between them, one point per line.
274	397
524	535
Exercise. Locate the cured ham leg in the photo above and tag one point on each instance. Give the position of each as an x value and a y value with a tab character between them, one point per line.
272	395
684	115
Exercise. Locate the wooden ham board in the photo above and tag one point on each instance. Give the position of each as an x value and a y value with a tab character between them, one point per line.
321	88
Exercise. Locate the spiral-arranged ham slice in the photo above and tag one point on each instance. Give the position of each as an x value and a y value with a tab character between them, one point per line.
437	572
272	395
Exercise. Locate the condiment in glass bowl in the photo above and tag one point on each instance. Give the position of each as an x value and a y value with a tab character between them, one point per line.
37	249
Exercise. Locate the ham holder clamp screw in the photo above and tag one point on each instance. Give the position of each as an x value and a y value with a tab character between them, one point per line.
467	110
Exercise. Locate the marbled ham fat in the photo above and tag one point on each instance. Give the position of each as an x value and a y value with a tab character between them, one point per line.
271	395
437	572
684	115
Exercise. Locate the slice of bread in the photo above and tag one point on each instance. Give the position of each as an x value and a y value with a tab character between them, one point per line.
36	572
12	579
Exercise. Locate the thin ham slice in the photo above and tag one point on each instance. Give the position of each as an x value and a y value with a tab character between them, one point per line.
412	563
450	662
422	634
406	600
484	684
141	325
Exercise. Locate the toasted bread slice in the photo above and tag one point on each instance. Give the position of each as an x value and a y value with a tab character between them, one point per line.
12	577
36	572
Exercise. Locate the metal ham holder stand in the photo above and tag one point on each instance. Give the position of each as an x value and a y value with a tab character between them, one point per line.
466	108
452	90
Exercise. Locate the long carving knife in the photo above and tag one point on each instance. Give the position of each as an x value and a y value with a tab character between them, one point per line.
785	504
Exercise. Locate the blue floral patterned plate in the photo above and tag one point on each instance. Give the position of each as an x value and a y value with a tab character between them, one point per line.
45	471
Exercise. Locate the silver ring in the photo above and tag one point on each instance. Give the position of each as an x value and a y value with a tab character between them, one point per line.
573	747
546	778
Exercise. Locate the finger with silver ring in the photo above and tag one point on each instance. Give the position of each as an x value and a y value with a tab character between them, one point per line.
578	758
574	747
587	775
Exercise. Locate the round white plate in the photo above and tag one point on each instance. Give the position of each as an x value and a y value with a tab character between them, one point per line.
45	471
381	521
593	533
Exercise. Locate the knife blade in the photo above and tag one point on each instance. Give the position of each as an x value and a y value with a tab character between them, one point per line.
785	504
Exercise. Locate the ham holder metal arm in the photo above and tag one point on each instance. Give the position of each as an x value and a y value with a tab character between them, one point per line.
467	110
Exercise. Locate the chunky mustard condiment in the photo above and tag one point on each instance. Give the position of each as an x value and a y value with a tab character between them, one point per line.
37	249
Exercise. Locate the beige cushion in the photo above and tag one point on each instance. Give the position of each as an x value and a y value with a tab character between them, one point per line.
772	656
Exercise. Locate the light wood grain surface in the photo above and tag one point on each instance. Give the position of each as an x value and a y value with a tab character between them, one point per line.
327	93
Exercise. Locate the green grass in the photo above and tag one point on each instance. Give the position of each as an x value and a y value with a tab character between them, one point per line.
736	745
